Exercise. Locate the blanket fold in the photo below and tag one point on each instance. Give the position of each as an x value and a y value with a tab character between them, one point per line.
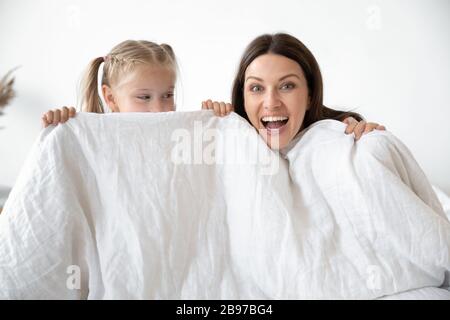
186	205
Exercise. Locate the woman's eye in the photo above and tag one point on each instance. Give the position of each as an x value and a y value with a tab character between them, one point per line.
255	88
145	97
168	95
287	86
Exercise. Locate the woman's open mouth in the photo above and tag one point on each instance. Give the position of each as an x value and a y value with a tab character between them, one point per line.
274	124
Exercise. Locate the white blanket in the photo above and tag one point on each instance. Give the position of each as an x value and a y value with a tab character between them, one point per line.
144	206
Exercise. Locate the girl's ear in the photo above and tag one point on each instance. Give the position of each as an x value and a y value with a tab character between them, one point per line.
109	98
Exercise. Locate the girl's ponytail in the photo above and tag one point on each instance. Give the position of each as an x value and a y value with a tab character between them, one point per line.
91	101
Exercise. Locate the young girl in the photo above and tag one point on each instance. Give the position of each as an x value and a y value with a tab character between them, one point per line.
140	76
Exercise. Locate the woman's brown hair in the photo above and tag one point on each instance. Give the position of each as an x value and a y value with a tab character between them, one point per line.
292	48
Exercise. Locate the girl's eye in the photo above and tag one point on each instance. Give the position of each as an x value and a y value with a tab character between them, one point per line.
168	95
145	97
287	86
255	88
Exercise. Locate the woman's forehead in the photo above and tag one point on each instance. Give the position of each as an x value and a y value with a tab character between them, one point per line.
273	66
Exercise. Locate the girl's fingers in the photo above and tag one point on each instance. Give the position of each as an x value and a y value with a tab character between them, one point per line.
209	104
72	112
64	114
380	127
56	116
351	124
49	117
205	105
359	129
44	121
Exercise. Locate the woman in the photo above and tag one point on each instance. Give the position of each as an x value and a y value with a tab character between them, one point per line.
278	89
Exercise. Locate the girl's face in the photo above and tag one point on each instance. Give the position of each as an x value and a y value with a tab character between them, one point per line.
275	98
147	88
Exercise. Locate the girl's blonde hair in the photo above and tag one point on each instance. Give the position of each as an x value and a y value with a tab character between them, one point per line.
121	59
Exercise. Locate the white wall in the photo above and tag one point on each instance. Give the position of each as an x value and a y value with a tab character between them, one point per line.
389	59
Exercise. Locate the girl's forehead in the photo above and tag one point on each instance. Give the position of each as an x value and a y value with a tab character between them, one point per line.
148	76
155	72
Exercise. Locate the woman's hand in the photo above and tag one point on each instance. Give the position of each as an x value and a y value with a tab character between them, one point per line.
360	127
221	109
58	116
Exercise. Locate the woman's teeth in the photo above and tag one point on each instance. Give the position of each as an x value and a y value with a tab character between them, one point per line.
267	119
274	122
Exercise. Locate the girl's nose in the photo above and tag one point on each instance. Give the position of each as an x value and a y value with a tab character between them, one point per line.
158	106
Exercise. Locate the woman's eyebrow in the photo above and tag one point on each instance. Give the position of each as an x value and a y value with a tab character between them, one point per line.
252	77
282	78
289	75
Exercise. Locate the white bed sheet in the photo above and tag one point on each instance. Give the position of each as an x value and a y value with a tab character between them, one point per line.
99	193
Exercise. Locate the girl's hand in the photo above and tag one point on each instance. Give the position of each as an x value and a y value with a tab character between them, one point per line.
221	109
361	127
58	116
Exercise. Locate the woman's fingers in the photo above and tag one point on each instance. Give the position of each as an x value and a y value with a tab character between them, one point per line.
351	124
216	107
220	109
370	126
359	129
223	109
229	108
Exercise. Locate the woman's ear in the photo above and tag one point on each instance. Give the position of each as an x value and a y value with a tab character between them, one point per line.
109	98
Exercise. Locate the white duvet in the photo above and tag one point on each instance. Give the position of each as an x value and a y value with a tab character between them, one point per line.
187	205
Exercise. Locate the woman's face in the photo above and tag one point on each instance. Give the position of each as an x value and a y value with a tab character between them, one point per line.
275	98
146	89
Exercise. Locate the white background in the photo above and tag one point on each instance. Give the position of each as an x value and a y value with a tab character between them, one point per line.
388	60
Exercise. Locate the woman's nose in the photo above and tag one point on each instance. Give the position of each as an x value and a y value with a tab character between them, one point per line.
271	100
